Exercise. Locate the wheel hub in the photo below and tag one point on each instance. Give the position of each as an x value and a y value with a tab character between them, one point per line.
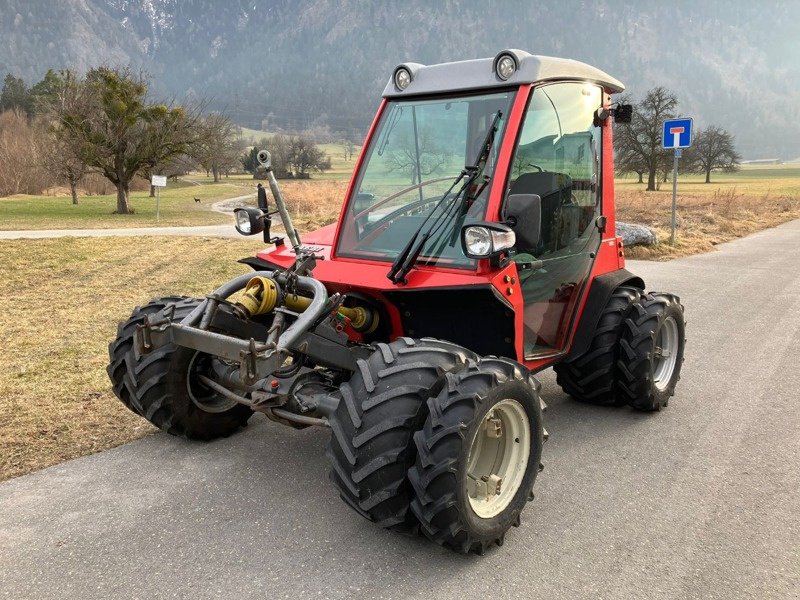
203	397
498	458
665	353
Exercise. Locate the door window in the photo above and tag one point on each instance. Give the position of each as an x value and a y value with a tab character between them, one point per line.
558	159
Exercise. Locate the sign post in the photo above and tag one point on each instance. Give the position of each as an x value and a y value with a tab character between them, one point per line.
158	181
677	134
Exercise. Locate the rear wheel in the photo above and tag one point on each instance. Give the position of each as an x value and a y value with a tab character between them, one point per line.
592	377
162	385
478	455
651	351
379	410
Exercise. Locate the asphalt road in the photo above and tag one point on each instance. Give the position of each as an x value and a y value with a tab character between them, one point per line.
701	500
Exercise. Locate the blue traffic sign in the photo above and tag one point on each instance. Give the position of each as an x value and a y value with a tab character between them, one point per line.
677	133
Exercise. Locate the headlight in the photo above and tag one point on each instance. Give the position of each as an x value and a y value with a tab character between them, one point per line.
249	220
506	65
487	240
402	78
478	241
243	222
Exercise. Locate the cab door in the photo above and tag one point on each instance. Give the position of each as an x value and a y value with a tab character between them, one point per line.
554	181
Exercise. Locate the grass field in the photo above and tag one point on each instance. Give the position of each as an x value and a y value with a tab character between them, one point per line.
63	298
732	205
177	208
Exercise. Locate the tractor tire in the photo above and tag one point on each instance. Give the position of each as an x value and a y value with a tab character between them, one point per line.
380	408
478	455
158	385
592	377
651	351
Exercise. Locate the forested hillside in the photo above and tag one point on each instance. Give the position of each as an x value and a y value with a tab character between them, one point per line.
298	63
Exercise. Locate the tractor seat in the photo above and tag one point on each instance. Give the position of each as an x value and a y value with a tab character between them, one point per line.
543	183
555	190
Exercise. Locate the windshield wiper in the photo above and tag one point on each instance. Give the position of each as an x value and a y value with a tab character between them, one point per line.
410	253
384	141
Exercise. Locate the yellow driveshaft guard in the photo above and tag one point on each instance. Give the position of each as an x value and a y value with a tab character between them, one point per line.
261	297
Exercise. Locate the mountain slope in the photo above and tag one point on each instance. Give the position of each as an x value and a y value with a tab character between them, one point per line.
301	62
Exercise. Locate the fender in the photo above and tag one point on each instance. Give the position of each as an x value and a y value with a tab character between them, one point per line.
599	293
259	264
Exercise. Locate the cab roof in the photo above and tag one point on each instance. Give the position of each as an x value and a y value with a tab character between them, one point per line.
480	74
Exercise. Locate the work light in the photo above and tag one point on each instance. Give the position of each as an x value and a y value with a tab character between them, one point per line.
402	78
506	65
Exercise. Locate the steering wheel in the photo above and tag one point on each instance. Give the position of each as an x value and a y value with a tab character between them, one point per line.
400	193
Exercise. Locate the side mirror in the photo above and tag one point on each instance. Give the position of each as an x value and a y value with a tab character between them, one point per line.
486	240
523	212
623	113
249	221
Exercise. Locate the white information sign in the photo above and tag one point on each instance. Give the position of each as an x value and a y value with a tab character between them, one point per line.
159	180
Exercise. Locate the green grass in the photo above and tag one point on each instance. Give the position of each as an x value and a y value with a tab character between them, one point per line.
177	208
255	134
759	180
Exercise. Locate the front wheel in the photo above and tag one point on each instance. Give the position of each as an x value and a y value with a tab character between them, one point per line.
651	351
162	386
478	455
381	407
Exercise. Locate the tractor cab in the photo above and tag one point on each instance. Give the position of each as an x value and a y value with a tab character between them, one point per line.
477	169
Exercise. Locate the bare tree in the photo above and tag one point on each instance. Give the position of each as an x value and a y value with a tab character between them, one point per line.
638	144
61	153
416	158
291	156
21	171
349	148
62	159
280	149
712	149
218	147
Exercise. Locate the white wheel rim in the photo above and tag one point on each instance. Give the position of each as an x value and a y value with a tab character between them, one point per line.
498	458
665	353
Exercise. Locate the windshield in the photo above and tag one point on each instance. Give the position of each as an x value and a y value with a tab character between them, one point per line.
416	153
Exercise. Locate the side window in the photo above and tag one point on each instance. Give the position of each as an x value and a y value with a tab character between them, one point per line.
558	158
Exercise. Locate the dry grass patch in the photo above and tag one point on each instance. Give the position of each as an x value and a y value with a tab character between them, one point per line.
64	298
312	203
703	219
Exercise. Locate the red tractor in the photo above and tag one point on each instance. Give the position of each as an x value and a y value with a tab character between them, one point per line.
475	247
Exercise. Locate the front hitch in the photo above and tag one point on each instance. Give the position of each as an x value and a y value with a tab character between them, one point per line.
257	358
